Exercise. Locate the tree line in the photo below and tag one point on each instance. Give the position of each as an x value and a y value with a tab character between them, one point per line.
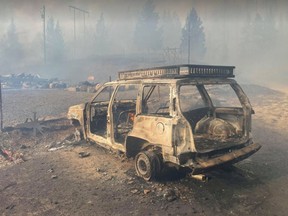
153	33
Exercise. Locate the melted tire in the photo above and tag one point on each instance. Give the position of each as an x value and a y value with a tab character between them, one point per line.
147	165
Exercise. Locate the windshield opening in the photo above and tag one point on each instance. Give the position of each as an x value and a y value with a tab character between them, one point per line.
214	113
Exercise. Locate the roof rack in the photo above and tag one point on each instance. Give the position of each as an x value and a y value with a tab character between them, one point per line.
178	71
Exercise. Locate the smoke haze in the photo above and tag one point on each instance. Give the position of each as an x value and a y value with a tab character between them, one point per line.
231	37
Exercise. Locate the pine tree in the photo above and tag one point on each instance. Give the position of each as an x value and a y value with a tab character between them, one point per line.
171	28
258	34
147	35
101	37
12	50
193	34
54	42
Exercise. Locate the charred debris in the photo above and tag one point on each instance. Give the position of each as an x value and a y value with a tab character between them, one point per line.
31	81
35	129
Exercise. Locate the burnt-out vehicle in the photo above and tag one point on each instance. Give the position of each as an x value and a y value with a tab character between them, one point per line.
192	116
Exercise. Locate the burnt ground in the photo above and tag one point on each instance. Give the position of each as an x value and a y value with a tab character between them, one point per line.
42	182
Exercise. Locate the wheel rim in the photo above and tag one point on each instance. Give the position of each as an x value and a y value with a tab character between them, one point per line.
143	166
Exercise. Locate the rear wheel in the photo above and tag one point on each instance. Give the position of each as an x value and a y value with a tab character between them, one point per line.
148	165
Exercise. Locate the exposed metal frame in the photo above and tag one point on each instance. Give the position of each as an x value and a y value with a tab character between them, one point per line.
178	71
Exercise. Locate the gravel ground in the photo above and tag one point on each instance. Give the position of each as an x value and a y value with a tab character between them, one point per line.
62	183
20	104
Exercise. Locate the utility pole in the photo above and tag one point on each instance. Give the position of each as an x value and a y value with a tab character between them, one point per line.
189	38
1	111
74	12
43	16
84	26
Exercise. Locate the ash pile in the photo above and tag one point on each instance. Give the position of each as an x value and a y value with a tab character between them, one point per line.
30	81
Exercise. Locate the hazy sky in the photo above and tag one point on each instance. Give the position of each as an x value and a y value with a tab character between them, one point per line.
26	13
223	22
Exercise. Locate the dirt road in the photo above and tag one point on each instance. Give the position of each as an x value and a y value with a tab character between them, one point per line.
104	183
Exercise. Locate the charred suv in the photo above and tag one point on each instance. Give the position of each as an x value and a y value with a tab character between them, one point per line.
193	116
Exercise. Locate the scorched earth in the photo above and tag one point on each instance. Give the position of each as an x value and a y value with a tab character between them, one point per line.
46	175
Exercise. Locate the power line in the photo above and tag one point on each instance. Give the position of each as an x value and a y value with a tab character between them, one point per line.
189	39
74	12
43	16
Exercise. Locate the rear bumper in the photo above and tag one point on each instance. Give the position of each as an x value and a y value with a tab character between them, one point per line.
234	156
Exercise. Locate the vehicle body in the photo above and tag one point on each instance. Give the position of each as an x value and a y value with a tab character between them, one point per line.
193	116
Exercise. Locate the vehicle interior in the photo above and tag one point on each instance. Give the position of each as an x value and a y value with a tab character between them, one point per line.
99	111
215	114
98	120
123	111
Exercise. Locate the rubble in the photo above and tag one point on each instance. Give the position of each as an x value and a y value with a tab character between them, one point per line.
134	191
85	86
12	157
84	154
54	176
99	170
70	140
77	135
130	182
23	146
36	125
10	207
57	85
146	191
33	124
17	141
199	177
8	186
30	81
55	148
6	154
50	170
169	195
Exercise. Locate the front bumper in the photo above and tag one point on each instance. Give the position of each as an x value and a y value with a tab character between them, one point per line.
202	165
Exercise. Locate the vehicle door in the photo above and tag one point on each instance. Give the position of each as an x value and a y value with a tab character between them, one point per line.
154	122
123	111
98	116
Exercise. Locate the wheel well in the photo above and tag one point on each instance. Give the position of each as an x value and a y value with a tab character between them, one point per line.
75	122
134	145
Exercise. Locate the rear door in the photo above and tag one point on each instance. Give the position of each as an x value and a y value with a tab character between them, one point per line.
154	122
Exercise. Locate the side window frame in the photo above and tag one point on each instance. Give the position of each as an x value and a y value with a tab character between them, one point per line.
199	89
123	85
170	114
101	90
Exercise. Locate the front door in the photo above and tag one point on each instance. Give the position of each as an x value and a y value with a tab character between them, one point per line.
98	116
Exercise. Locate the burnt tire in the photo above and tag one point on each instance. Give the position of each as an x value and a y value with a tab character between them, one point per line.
148	165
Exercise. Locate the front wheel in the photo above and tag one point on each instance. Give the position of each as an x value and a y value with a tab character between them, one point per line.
147	165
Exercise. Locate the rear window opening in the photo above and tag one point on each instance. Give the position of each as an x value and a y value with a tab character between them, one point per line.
223	96
215	114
